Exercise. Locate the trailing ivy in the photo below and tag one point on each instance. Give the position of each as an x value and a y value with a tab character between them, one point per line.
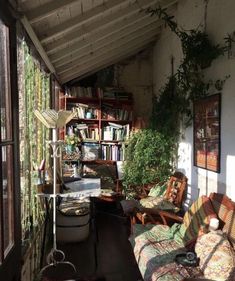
188	83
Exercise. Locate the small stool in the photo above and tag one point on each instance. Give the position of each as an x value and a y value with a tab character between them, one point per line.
72	221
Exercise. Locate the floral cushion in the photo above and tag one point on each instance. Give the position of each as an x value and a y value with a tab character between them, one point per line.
153	249
158	190
159	203
216	256
229	227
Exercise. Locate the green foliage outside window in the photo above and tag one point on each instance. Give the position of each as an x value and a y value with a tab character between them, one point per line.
34	86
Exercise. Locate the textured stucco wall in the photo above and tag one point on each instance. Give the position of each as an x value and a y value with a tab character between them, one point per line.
135	75
219	20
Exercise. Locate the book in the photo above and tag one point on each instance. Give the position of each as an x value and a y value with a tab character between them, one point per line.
115	125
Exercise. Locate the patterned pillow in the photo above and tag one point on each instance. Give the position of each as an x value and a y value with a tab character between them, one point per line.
229	227
158	190
158	203
197	219
216	256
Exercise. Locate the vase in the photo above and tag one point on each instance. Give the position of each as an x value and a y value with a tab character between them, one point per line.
69	148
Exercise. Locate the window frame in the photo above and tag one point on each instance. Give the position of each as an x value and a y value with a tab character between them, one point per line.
7	271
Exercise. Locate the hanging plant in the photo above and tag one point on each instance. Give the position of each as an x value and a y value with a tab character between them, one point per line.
189	81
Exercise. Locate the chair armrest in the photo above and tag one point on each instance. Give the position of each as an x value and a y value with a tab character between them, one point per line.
163	215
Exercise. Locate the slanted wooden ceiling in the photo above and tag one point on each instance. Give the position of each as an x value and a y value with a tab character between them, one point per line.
79	37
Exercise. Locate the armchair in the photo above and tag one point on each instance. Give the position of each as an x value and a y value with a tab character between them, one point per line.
155	209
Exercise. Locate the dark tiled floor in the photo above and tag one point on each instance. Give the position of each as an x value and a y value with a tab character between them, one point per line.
115	259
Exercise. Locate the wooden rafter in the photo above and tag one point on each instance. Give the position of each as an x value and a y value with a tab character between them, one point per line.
129	24
47	10
102	63
113	52
108	45
104	22
79	20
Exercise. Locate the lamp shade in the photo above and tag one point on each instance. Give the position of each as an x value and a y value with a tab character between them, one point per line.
53	119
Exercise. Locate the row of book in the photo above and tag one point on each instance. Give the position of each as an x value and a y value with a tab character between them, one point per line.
83	111
90	132
107	93
79	92
93	151
112	152
111	113
115	93
84	131
115	132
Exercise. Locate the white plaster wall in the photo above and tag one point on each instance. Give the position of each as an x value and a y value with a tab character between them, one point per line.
135	76
220	21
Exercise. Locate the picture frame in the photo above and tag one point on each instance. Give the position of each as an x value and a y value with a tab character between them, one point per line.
207	127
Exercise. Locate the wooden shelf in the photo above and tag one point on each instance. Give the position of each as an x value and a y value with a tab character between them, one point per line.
109	107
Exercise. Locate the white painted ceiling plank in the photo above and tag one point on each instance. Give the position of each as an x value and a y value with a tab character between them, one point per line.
100	64
106	21
111	50
129	24
105	45
79	20
46	10
37	44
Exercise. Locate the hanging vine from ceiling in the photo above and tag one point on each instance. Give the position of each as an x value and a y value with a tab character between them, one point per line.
175	99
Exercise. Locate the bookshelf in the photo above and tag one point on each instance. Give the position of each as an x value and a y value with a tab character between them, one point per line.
102	122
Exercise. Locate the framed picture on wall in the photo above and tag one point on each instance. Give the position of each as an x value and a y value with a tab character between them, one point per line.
207	133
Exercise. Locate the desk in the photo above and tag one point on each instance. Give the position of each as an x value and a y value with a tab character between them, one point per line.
83	188
86	187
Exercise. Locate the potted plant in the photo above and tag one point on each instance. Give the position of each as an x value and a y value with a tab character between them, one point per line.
71	142
148	160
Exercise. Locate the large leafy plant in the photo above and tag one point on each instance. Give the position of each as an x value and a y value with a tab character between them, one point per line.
148	159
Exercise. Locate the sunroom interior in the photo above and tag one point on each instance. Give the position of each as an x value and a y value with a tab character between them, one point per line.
145	93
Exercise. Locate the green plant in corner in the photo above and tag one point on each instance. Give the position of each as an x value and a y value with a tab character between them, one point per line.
148	159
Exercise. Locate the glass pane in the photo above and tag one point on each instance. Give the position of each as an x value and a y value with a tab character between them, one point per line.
5	91
8	207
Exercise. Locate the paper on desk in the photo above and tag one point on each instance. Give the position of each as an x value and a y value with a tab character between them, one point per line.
83	188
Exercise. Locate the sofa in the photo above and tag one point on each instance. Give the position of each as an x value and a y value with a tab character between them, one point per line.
157	246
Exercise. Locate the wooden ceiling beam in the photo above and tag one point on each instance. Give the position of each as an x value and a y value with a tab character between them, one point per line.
102	63
47	10
107	45
109	20
37	44
113	51
80	20
129	24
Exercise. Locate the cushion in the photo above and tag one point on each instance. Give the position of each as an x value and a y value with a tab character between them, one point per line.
197	219
74	208
216	256
158	190
229	227
158	203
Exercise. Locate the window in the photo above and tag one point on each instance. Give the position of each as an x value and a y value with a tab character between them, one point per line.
6	149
